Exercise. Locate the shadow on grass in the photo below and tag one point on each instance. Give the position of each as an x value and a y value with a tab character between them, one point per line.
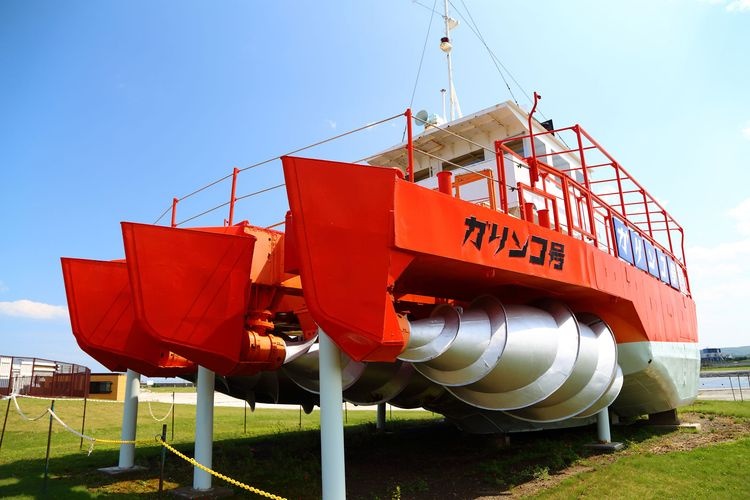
414	459
438	461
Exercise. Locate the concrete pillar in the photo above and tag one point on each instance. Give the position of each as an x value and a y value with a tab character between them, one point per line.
204	428
602	426
129	419
331	421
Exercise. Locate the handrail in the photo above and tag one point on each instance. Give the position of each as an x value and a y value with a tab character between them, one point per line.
631	200
587	216
471	177
236	171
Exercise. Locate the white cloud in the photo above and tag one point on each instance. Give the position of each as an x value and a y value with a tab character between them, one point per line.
720	282
331	123
738	6
33	310
746	130
741	216
732	5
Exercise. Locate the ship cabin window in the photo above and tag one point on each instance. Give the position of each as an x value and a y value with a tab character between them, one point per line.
464	160
563	165
516	146
560	163
421	175
541	150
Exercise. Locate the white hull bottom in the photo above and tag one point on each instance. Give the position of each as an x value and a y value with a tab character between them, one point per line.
659	376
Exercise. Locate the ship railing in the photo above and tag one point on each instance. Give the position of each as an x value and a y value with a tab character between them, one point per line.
475	173
586	207
582	201
269	192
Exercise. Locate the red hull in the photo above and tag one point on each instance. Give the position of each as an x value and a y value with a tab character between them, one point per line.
367	238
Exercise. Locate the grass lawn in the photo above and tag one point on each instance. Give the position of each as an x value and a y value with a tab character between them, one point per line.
712	471
288	438
729	408
709	472
420	457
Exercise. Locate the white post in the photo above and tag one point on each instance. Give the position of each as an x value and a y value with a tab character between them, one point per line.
381	417
129	418
331	421
204	428
602	426
449	25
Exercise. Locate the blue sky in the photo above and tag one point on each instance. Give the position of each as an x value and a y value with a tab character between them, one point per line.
109	109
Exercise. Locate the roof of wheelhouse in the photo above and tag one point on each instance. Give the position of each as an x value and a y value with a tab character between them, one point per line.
483	127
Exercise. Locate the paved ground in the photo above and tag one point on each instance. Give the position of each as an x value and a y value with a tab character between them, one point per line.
188	398
724	394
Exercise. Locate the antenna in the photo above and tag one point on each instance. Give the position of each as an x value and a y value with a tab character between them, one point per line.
446	46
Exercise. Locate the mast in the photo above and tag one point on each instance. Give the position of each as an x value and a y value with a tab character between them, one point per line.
446	46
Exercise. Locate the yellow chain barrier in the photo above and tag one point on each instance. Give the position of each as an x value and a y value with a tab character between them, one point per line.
23	415
192	461
162	419
90	439
228	479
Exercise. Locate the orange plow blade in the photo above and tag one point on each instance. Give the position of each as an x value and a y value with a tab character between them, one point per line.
101	315
191	289
344	241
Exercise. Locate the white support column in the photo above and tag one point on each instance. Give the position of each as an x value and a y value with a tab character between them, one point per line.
129	418
602	426
380	425
331	421
204	428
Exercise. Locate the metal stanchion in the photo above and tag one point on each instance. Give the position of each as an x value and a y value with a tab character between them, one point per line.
380	422
173	411
83	422
5	421
163	458
49	442
739	386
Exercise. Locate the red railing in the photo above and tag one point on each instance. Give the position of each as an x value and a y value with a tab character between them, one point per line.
233	198
603	190
582	199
